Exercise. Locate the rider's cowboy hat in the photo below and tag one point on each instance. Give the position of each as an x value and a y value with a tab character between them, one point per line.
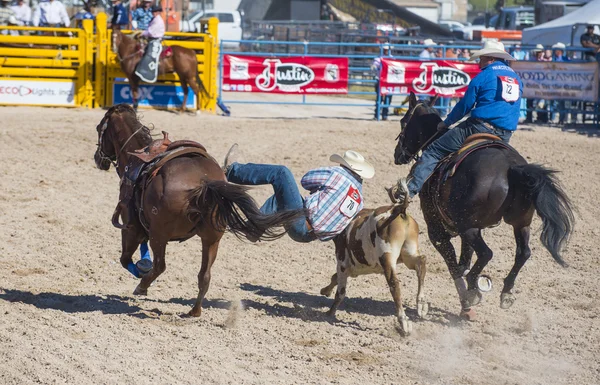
493	49
428	42
559	45
156	8
355	162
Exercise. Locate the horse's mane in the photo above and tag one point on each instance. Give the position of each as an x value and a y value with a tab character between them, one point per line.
130	118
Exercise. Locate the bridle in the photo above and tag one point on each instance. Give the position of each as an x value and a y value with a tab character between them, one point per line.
414	156
114	160
115	47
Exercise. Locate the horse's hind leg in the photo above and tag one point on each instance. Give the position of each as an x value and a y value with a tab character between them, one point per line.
186	90
209	254
196	88
523	253
484	255
159	247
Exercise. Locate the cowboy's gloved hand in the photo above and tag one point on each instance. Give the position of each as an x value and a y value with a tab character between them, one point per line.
442	126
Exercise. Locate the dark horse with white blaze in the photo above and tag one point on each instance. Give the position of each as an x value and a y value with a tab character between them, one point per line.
491	184
183	62
187	196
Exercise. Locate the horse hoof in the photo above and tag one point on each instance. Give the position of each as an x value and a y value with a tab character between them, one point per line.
331	313
507	300
139	291
192	313
468	314
422	309
326	292
474	297
405	326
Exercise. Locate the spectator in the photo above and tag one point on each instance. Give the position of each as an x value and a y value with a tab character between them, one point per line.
537	54
559	52
560	105
384	100
590	40
141	17
120	18
82	15
7	15
22	13
548	55
335	192
519	54
451	53
427	53
51	13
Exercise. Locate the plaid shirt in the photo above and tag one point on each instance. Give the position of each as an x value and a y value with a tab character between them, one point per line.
330	188
143	18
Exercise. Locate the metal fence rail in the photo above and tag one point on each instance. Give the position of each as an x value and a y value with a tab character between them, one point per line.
362	80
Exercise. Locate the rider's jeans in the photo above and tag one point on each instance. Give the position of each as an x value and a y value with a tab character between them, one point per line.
286	194
448	143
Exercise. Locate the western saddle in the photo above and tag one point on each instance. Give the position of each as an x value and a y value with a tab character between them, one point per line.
143	166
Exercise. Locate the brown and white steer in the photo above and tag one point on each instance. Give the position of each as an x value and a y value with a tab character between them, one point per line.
374	242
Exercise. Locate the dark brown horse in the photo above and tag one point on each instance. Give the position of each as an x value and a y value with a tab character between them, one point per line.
188	196
183	62
491	184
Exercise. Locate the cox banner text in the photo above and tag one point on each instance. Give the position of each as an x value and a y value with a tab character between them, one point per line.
558	80
446	78
285	75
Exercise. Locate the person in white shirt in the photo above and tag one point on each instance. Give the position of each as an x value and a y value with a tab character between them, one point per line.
22	13
51	13
427	53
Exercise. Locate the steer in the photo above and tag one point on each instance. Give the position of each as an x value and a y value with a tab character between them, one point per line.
374	242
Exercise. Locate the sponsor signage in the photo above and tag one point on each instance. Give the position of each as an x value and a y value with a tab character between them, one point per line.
32	92
155	95
558	80
445	78
286	75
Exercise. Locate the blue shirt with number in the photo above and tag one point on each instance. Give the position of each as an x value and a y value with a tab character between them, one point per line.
494	95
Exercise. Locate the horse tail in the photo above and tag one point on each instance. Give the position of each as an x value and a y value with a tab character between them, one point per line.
551	203
203	89
231	207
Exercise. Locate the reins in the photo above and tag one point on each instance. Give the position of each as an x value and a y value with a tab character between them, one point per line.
103	155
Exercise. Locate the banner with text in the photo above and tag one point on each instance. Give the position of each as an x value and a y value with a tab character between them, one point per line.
446	78
285	75
32	92
558	80
156	95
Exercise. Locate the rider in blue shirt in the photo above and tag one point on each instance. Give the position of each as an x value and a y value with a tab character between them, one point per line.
493	98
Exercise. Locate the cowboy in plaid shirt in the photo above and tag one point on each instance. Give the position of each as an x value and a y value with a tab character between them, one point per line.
335	192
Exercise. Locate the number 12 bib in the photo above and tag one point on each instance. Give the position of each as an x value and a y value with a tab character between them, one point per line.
510	88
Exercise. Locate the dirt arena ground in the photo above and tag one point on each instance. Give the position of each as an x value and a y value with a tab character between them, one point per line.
68	316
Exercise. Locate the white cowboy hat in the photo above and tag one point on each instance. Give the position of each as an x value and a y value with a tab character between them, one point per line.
428	42
355	162
538	48
492	48
559	45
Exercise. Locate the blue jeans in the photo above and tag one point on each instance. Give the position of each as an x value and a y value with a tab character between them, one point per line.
383	100
286	194
448	143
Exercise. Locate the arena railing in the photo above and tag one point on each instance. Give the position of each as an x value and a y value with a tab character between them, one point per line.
362	80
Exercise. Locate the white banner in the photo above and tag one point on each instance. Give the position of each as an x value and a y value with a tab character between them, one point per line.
28	92
558	80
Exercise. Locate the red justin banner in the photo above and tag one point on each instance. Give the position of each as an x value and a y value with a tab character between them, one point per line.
446	78
285	75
